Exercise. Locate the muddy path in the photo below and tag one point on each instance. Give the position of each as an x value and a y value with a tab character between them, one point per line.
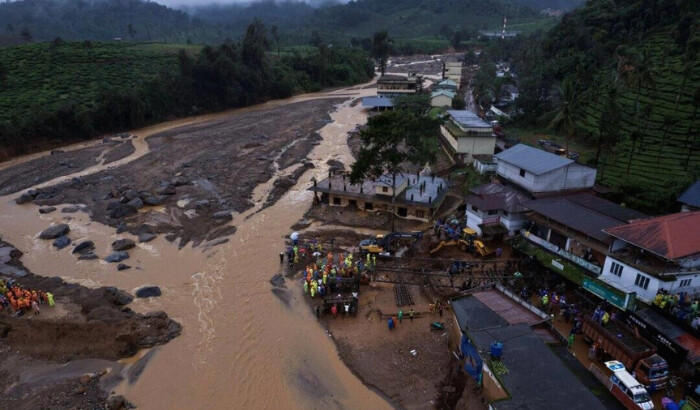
241	345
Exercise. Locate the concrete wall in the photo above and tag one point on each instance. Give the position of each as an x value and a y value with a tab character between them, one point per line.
573	176
379	188
626	281
513	222
484	168
412	212
441	101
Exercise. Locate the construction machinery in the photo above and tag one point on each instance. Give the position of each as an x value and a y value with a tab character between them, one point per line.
467	242
386	244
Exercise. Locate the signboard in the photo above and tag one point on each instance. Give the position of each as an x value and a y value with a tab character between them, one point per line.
604	293
668	349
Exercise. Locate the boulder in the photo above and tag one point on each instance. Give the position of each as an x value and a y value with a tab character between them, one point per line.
136	203
107	178
171	237
145	228
121	228
130	194
166	190
118	402
179	180
223	216
23	199
88	256
121	211
77	182
112	205
47	209
154	200
201	203
147	237
57	151
118	296
278	280
61	242
55	231
123	266
70	210
123	244
115	257
148	291
84	247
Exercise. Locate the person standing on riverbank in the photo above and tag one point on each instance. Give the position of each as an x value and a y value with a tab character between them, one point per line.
390	323
400	315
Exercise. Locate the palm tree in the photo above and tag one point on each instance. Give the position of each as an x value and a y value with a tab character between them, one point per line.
642	75
565	115
381	46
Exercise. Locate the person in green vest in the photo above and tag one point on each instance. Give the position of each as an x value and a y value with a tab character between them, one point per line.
571	341
400	315
410	314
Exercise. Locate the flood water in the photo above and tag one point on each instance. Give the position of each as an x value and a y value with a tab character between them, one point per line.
241	346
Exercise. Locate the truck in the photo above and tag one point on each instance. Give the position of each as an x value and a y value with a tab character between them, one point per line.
633	351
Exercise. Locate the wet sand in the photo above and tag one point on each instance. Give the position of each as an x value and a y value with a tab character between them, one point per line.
241	347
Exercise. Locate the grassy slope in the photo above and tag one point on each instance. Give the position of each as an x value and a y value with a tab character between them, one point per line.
669	147
41	77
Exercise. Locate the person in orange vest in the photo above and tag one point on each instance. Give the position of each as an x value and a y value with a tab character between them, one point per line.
334	311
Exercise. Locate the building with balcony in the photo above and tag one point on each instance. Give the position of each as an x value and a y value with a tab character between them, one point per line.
391	85
652	254
540	172
417	196
464	135
495	209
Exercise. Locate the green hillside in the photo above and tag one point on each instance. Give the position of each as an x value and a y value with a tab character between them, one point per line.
45	77
635	72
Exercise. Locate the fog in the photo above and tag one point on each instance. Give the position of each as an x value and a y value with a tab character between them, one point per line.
195	3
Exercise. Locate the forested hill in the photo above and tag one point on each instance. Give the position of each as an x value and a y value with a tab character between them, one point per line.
138	20
632	73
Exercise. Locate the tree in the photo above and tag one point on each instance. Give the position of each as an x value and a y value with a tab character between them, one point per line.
381	44
316	39
3	76
417	103
565	115
609	125
275	34
26	35
255	44
391	142
130	29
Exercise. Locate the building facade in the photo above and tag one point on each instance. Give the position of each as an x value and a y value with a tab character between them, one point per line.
391	86
495	208
441	98
654	254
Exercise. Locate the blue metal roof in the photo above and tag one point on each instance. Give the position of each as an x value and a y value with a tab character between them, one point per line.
448	93
532	159
377	102
691	196
468	119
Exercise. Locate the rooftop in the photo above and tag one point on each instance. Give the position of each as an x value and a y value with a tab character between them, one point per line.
468	119
672	236
582	212
497	196
447	81
532	159
431	194
536	377
448	93
484	158
395	78
373	102
691	196
673	332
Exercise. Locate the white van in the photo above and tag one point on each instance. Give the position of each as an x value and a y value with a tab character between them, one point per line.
629	386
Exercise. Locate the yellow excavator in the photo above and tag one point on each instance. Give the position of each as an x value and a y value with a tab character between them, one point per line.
382	244
467	243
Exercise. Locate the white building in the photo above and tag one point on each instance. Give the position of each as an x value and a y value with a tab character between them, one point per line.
391	85
453	71
464	135
539	171
495	208
442	98
649	255
484	164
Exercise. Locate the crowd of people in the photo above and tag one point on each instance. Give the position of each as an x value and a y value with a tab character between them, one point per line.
16	300
680	306
322	275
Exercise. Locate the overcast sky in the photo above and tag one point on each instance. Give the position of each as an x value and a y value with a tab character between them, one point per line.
178	3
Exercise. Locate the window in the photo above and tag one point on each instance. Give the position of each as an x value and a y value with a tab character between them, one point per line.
522	172
493	212
505	213
353	203
420	214
385	189
642	281
616	269
336	200
403	212
685	283
369	206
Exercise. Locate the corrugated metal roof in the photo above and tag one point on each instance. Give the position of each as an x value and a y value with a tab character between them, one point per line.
468	119
448	93
447	82
672	236
670	330
532	159
377	102
497	196
691	196
606	207
574	216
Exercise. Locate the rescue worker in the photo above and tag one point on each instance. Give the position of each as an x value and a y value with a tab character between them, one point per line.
400	315
390	323
410	314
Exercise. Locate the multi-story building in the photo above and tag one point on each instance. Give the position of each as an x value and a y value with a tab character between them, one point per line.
391	85
464	135
649	255
495	208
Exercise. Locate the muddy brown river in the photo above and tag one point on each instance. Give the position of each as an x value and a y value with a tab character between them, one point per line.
241	346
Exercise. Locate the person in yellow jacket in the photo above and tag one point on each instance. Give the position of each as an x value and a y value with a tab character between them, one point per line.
49	296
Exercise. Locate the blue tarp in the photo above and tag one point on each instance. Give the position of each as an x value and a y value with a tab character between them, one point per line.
472	361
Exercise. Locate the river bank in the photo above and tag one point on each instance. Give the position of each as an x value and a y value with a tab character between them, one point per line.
238	340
